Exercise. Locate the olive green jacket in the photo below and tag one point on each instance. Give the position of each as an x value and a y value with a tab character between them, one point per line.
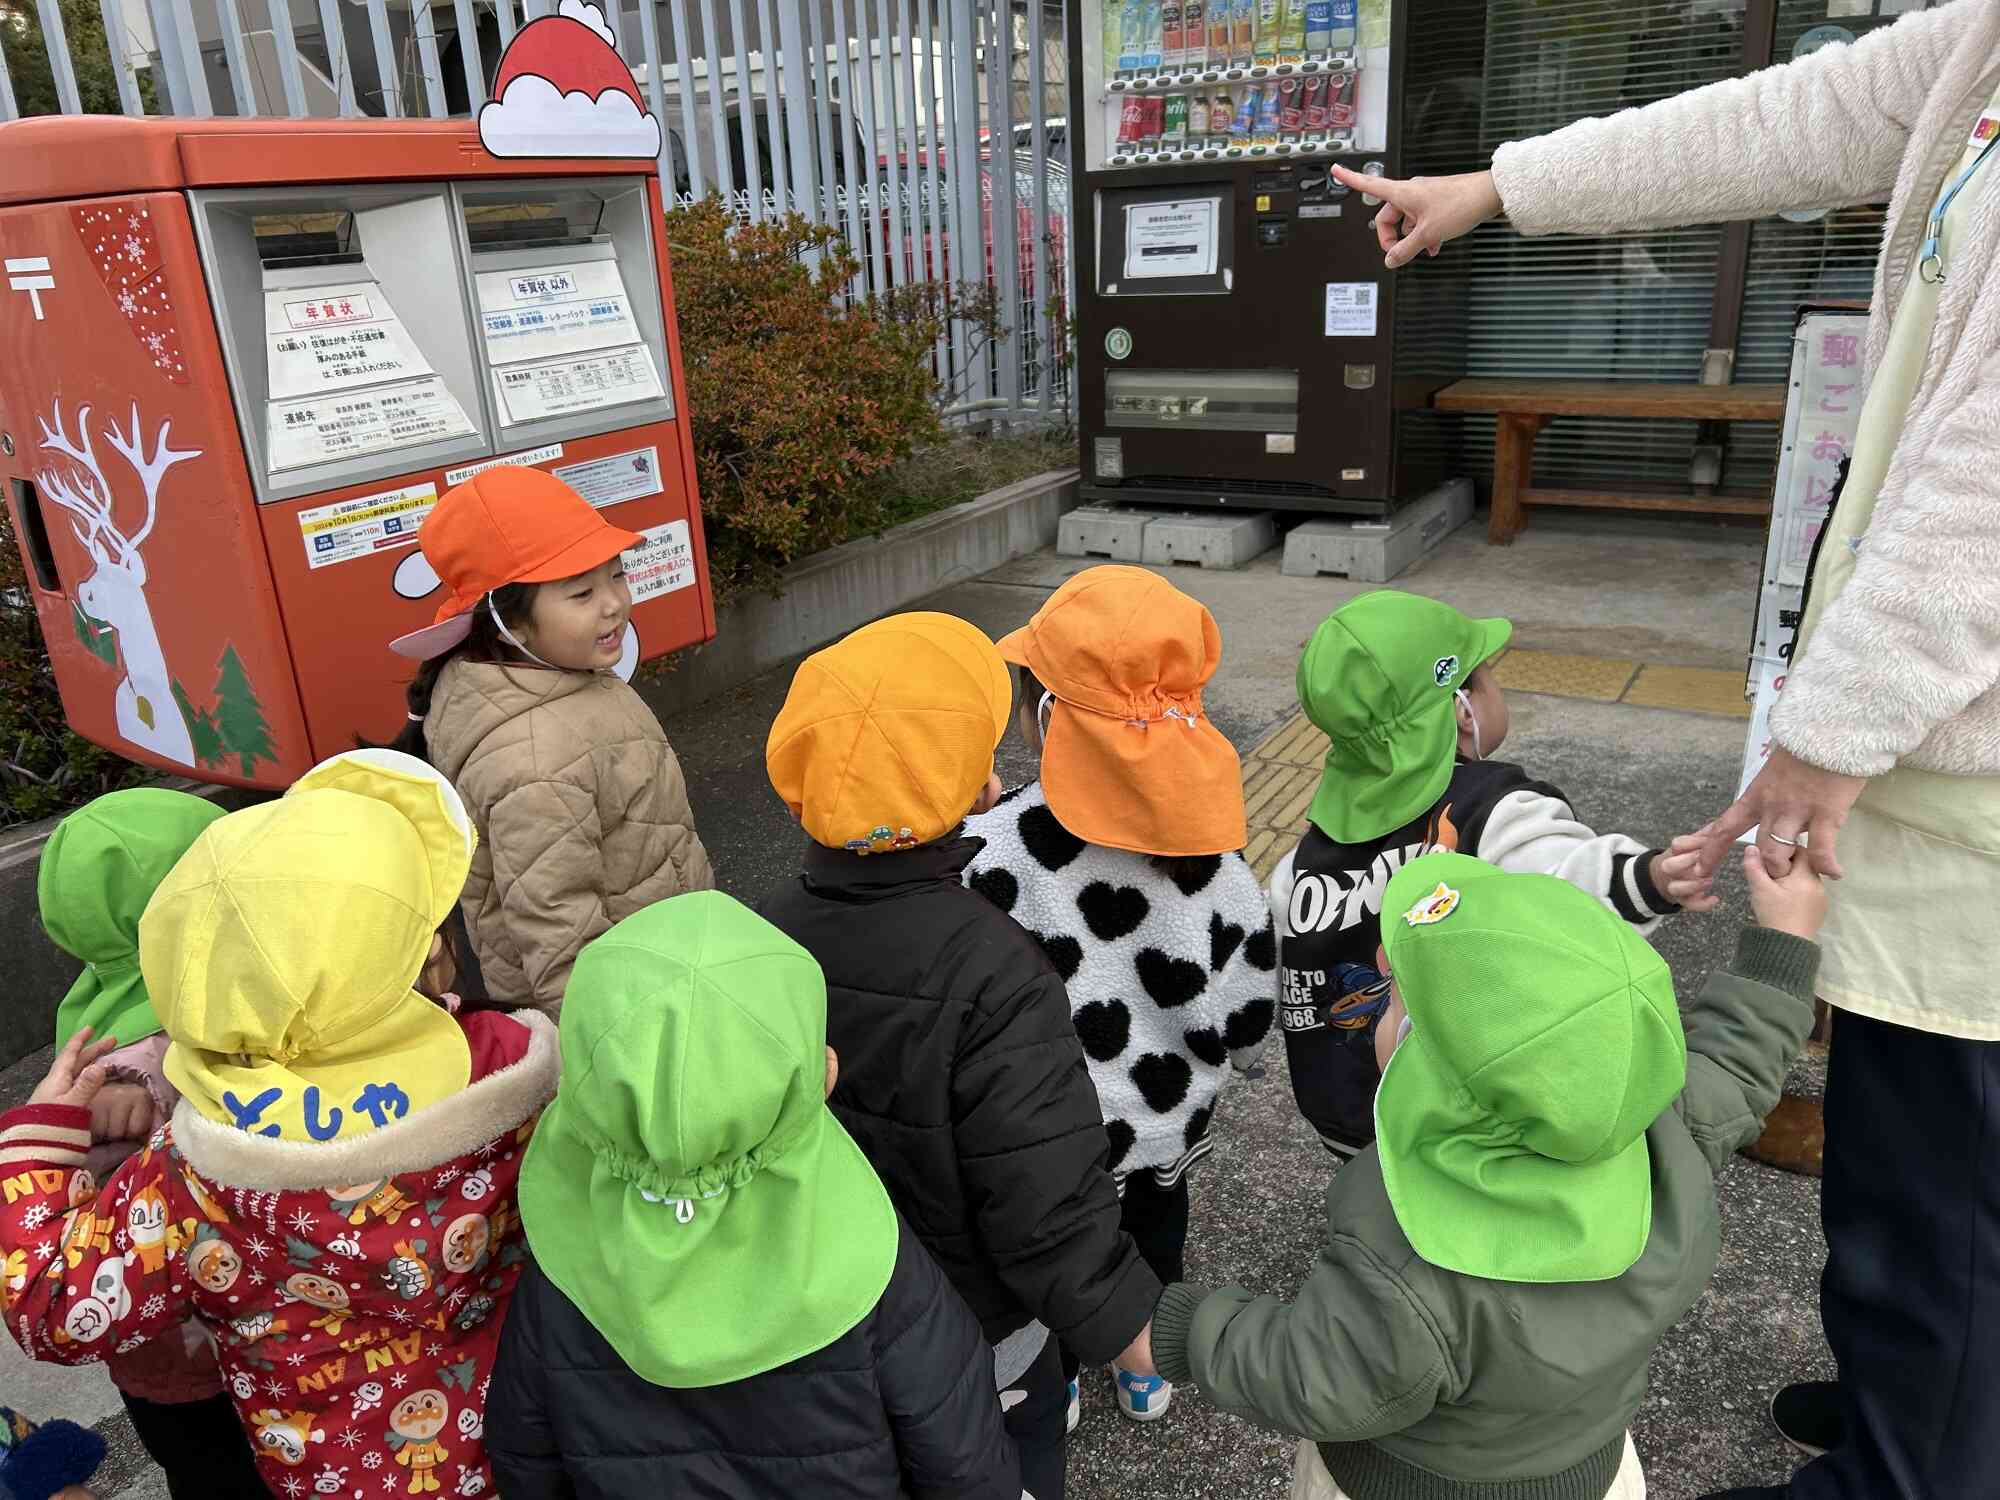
1424	1384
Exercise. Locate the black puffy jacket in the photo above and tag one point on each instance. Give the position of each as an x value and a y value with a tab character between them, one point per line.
962	1080
900	1405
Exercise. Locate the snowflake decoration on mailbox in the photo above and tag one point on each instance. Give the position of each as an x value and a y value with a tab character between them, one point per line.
563	91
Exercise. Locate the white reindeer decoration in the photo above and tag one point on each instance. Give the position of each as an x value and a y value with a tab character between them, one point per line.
115	592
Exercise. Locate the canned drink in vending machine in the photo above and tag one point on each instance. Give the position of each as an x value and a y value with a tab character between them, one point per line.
1340	102
1152	120
1264	45
1346	27
1197	121
1313	107
1221	14
1131	122
1265	133
1243	125
1131	36
1291	111
1194	36
1242	32
1174	123
1156	34
1319	28
1291	31
1221	111
1173	43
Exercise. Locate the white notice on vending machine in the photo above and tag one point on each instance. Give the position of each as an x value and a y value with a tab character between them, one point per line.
1164	240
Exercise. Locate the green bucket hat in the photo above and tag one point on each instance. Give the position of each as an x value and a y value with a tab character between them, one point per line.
99	869
1544	1041
688	1189
1377	678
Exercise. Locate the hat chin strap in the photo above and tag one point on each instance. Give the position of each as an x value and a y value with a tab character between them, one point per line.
1049	700
1461	696
511	639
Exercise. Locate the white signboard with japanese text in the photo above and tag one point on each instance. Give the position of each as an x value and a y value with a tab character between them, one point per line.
365	525
353	424
1822	410
336	338
662	563
615	477
564	309
1164	240
586	382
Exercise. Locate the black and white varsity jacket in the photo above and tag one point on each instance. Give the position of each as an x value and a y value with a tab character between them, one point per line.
1169	971
1326	901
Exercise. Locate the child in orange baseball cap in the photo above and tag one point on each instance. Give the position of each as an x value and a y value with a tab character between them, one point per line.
581	807
1122	858
960	1072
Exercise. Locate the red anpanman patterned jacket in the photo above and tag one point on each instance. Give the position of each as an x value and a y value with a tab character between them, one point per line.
354	1286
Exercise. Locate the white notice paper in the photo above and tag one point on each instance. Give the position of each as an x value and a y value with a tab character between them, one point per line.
1350	309
355	423
616	477
662	563
554	310
1170	239
367	524
334	338
556	387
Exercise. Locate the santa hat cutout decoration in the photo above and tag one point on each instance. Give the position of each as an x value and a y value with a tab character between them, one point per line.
563	91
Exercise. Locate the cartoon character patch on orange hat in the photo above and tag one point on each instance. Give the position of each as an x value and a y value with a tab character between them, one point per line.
1129	759
887	736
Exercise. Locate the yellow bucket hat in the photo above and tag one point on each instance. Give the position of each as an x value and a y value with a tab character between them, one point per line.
282	950
887	736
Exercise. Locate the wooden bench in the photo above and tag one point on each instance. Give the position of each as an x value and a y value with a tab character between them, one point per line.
1524	408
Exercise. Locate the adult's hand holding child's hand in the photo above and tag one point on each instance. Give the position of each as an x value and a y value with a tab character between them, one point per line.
1794	904
122	1112
1676	874
77	1073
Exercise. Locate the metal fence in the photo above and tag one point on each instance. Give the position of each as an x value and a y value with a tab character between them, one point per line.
919	129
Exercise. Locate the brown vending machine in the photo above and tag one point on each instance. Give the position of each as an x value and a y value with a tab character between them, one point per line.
1238	340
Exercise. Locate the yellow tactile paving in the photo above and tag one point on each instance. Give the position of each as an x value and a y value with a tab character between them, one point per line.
1282	771
1700	690
1602	679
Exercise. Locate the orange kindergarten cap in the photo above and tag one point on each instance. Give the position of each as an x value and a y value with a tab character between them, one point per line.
1129	760
886	737
507	525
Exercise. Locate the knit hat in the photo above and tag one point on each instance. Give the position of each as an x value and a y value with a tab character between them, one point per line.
887	736
1544	1041
506	525
1378	678
282	950
98	871
1129	760
688	1189
37	1463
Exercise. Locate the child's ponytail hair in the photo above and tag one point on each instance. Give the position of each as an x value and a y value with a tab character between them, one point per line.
482	643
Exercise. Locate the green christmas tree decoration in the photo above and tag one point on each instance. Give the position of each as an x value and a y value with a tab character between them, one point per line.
202	728
240	716
98	638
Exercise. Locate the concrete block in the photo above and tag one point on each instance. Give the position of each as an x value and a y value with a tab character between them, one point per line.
1107	531
1376	551
1219	539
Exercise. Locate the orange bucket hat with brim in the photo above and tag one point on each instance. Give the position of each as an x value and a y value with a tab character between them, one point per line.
1129	759
507	525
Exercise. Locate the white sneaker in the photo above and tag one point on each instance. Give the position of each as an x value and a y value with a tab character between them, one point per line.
1143	1398
1075	1407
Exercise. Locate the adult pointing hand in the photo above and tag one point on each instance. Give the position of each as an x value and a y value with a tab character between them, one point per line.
1422	213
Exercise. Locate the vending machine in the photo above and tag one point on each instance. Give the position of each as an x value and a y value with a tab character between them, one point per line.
241	359
1239	342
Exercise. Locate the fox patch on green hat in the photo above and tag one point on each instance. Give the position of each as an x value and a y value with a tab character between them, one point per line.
1544	1041
1378	679
688	1189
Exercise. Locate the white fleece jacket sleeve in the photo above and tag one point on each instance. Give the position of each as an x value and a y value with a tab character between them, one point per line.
1914	637
1532	833
1823	132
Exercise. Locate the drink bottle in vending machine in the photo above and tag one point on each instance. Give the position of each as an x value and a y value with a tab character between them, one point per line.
1239	343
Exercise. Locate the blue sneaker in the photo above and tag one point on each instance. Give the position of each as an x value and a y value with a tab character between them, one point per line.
1075	1408
1143	1398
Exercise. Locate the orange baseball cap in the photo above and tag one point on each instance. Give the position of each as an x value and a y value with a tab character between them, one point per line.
887	736
1129	760
506	525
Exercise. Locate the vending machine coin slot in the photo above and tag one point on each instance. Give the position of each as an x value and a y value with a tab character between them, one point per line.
1272	232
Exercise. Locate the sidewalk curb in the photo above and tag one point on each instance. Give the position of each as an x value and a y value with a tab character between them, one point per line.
832	592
